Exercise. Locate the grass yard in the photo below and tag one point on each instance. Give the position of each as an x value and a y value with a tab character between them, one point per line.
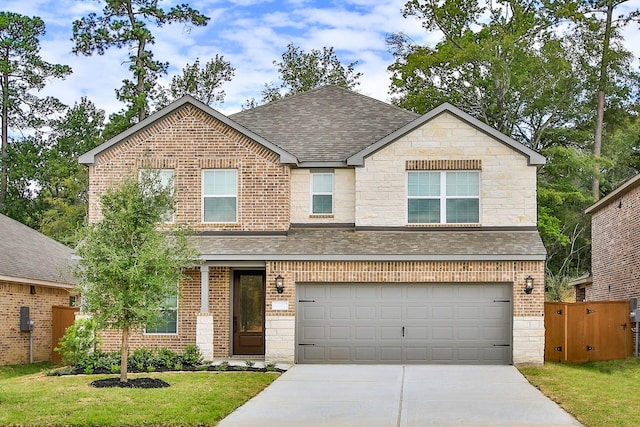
597	394
194	398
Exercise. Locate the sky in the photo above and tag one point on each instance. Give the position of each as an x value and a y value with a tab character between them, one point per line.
250	34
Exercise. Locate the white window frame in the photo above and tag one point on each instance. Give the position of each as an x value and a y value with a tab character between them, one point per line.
170	216
322	193
443	197
177	318
205	196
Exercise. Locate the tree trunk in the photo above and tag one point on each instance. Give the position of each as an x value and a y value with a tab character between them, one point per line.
4	179
124	354
602	85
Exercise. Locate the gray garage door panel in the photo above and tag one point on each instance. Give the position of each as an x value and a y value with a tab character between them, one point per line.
404	323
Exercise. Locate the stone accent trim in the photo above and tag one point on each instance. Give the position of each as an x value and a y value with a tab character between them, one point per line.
528	340
279	339
204	335
419	165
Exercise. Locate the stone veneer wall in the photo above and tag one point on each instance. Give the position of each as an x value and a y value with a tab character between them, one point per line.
15	344
189	141
508	184
615	253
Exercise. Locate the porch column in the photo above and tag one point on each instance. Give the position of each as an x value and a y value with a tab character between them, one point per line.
204	289
204	320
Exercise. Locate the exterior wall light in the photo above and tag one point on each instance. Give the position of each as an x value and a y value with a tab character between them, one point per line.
279	284
528	285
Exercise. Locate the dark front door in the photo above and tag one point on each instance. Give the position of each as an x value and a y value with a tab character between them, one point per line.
248	312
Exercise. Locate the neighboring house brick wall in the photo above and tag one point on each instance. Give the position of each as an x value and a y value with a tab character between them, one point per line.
508	184
343	203
616	249
188	141
15	344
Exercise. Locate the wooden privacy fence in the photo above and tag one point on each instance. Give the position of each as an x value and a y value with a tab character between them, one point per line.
63	317
587	331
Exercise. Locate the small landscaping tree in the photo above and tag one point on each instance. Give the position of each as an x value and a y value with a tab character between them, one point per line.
128	267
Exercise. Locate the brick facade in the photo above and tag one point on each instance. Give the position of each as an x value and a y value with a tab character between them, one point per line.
615	253
188	141
15	344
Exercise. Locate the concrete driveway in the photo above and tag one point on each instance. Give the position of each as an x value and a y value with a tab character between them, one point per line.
399	396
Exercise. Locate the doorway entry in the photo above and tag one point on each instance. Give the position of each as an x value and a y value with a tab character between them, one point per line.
248	312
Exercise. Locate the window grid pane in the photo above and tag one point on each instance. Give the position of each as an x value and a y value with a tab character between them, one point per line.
424	184
322	183
322	204
424	211
462	184
463	211
219	209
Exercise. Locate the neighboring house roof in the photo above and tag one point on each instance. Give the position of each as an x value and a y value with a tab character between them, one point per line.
327	124
89	157
348	245
586	279
357	159
31	257
618	192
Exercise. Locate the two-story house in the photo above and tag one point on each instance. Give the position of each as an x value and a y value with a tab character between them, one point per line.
335	228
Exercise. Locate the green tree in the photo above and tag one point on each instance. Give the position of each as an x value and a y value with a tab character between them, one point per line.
203	83
62	181
532	71
128	267
301	71
22	72
125	23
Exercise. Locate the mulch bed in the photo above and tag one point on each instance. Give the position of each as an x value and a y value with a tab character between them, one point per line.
131	383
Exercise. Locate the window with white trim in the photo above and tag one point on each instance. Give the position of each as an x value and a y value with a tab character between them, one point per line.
443	197
322	193
164	178
168	320
219	195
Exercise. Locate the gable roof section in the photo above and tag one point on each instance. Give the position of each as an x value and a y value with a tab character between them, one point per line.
534	158
31	257
618	192
89	157
324	125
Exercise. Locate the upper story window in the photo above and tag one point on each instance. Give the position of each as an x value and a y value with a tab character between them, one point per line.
168	321
219	195
164	178
443	197
322	193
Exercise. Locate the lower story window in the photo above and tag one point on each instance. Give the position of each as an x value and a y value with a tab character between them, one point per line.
168	319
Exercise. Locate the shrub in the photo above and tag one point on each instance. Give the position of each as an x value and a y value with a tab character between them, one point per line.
140	359
79	341
191	356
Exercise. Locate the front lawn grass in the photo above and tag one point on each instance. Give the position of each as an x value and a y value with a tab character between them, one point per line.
597	393
194	398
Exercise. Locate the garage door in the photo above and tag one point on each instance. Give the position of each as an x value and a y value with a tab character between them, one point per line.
404	323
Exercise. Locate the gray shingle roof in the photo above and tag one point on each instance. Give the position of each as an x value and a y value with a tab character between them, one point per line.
349	245
27	254
327	124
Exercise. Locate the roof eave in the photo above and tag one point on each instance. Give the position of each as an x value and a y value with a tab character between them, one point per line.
368	257
533	158
88	158
618	192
